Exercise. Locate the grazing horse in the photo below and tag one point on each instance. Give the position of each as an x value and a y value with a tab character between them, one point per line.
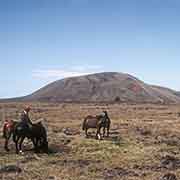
37	133
98	122
8	129
106	124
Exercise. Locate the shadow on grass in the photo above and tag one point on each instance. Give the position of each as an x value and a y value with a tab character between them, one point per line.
55	149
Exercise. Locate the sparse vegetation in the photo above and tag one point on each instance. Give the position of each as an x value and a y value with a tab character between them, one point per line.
143	144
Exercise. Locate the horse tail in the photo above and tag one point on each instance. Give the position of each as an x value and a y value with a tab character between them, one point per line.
43	137
84	124
44	133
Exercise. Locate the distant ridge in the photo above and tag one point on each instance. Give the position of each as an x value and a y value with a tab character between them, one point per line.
102	87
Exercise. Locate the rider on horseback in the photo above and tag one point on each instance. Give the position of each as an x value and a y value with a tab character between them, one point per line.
25	120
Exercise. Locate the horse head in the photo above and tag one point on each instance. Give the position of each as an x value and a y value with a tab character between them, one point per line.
105	113
106	118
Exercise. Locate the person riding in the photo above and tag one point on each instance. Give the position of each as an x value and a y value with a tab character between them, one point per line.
25	120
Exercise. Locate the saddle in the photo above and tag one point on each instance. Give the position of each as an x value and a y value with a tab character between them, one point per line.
24	126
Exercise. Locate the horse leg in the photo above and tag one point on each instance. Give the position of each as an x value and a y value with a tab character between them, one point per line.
20	144
44	145
98	133
16	140
104	131
6	136
6	141
6	144
86	131
34	141
108	131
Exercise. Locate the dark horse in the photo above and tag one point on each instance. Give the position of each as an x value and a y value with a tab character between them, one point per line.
8	129
98	122
37	133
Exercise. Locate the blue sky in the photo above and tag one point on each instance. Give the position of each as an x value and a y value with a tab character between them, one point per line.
46	40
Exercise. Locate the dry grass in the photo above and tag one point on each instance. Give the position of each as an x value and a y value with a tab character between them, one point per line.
141	135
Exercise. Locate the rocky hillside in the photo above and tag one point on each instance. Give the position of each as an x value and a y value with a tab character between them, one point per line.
103	87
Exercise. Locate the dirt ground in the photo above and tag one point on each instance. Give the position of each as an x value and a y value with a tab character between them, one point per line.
144	144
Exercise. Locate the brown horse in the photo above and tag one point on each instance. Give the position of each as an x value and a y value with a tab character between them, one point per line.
98	122
8	129
37	133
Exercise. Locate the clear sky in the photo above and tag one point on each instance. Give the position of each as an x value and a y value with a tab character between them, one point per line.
45	40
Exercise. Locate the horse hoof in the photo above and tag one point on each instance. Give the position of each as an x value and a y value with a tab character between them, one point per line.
21	152
7	149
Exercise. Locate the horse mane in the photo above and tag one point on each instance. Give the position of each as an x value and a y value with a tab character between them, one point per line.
90	116
40	123
38	120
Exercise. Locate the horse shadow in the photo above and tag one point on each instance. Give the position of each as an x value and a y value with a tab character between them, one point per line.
114	136
59	148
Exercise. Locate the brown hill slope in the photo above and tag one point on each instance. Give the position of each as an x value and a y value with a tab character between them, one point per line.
177	93
103	87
